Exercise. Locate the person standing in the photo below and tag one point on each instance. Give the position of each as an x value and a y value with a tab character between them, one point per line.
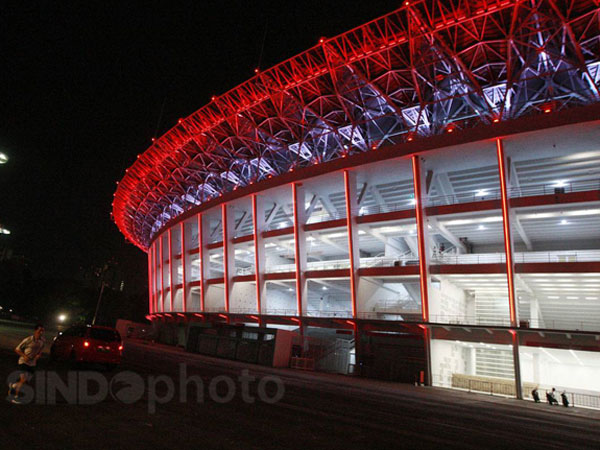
29	350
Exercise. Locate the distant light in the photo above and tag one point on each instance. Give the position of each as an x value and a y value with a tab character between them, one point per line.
62	317
4	231
564	222
496	120
256	70
324	288
290	289
481	227
560	183
3	158
413	201
547	110
481	193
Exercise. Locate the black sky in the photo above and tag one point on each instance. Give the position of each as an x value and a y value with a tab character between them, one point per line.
84	86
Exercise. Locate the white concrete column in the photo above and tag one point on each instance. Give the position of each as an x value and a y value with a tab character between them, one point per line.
186	264
229	271
203	257
298	198
258	221
352	229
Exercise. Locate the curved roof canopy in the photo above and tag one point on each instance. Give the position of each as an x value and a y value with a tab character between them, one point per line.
413	73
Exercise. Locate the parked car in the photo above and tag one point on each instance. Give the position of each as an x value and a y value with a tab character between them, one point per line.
89	344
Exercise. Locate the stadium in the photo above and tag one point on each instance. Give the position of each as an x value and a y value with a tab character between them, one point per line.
417	199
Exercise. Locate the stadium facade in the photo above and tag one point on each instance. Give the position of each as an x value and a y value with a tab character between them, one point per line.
422	191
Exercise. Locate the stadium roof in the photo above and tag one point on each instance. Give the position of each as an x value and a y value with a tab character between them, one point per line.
422	70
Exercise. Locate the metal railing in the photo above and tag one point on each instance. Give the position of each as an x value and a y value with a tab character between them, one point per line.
526	191
324	216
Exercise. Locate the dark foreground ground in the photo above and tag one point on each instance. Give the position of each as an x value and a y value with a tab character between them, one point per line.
316	411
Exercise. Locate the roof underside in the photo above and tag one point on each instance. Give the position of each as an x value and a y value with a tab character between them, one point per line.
408	75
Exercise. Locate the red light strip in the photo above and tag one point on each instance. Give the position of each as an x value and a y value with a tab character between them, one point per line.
161	273
416	166
507	236
171	287
257	267
183	267
225	254
297	251
349	226
150	301
201	261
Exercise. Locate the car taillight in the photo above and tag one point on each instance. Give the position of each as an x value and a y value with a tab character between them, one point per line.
86	344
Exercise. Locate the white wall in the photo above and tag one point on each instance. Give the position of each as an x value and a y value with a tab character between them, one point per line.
243	296
448	357
449	303
563	375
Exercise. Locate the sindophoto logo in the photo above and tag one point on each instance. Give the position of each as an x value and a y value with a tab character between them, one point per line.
127	387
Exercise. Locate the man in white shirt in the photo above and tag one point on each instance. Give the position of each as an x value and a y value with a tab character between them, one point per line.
29	350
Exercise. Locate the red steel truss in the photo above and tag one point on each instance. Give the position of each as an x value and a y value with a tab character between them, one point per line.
424	69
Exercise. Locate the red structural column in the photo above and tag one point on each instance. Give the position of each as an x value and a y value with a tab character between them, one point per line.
504	173
161	273
258	221
171	278
423	261
183	267
508	245
202	264
154	277
352	228
228	254
299	246
423	256
150	296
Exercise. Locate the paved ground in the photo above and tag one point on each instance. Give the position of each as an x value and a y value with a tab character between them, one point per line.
316	411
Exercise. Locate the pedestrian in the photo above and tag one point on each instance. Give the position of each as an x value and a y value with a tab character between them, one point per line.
551	397
535	394
29	351
564	398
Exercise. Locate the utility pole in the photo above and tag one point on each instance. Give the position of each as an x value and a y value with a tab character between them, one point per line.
102	286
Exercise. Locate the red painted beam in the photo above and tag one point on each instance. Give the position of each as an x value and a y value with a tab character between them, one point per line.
388	271
331	273
278	232
325	224
451	269
383	217
508	247
558	267
419	210
280	276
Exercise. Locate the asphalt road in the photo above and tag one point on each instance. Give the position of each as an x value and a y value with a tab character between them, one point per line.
316	411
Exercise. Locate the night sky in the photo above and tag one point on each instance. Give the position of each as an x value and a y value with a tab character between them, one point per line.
84	88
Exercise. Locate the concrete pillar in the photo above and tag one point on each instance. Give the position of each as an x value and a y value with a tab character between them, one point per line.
258	221
171	257
229	271
352	229
423	240
203	257
186	264
298	198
